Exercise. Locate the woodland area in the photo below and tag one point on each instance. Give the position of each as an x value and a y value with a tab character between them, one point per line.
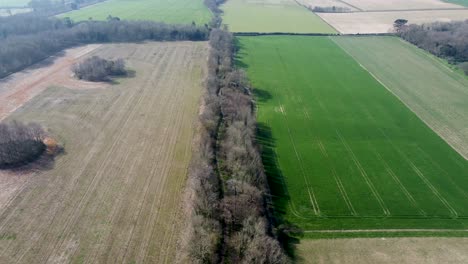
445	40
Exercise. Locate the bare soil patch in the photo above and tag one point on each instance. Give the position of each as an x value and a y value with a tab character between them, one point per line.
384	250
18	88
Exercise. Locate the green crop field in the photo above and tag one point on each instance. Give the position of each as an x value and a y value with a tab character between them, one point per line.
434	91
170	11
272	16
458	2
341	151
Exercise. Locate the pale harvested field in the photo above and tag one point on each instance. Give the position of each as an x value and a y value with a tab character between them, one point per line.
382	22
384	250
370	5
115	195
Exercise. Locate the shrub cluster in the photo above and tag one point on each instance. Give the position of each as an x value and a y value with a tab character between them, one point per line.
445	40
230	219
20	143
97	69
20	51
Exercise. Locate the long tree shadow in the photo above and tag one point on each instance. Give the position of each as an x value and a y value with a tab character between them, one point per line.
288	233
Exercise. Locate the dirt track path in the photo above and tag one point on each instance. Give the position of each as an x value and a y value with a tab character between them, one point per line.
18	88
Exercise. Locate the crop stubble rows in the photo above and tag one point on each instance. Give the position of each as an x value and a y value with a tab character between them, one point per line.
115	195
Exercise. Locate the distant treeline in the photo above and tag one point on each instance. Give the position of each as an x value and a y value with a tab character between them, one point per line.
230	222
445	40
23	47
23	24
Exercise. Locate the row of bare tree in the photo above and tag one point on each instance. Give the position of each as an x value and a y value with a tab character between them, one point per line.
20	143
230	222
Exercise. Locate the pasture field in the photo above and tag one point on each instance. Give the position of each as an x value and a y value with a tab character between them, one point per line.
169	11
384	251
382	22
435	92
115	195
458	2
271	16
374	5
342	152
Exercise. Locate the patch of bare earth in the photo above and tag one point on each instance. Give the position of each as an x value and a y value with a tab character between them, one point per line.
384	250
18	88
115	195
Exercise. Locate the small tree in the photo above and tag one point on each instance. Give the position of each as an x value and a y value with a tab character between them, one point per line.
399	24
20	143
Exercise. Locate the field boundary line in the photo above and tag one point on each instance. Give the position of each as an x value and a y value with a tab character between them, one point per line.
353	6
364	175
401	100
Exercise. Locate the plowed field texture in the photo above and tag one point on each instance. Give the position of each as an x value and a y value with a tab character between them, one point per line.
346	157
114	195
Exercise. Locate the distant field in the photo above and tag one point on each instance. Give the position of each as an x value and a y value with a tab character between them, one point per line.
437	94
384	251
170	11
14	3
340	150
458	2
115	195
382	22
369	5
271	16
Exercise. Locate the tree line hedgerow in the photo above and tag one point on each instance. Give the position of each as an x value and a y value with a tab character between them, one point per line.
230	221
